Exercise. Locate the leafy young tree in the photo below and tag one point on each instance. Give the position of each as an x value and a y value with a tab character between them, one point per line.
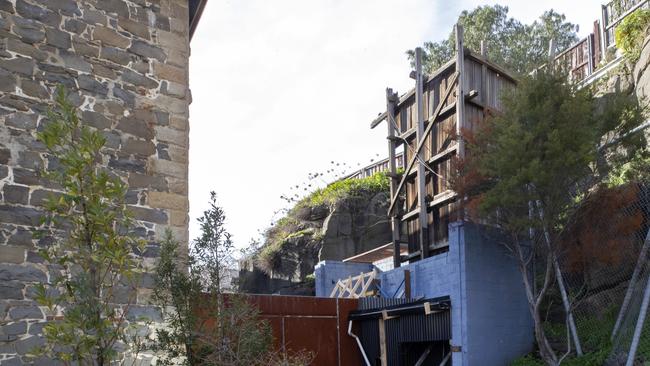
205	325
519	47
203	329
92	249
213	249
544	152
177	292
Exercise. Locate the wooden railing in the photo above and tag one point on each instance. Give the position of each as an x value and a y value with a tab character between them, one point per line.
585	57
377	167
579	60
613	13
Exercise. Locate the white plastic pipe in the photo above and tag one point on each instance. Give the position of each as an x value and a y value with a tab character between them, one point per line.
363	352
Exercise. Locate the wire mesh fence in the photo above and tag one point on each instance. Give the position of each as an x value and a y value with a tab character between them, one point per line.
605	266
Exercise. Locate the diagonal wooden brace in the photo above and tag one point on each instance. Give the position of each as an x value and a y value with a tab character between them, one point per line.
427	131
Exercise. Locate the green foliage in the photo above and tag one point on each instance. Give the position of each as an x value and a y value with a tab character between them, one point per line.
631	32
346	188
202	328
205	326
638	168
547	146
519	47
177	292
528	360
596	358
213	249
551	145
290	227
595	336
93	245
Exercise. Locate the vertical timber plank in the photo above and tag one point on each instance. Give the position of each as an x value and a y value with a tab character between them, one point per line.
391	99
460	104
383	354
421	176
407	284
460	94
484	96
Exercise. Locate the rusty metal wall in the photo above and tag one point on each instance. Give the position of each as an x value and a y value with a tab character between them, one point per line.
317	325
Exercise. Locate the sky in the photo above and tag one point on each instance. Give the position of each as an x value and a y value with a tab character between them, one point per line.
283	88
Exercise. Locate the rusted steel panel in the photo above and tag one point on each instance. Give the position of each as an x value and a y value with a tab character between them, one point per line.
318	335
294	305
349	353
315	325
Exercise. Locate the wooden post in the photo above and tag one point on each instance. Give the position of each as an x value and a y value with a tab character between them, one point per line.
460	106
383	354
484	88
551	53
391	100
460	94
407	284
598	44
427	131
605	35
590	49
421	176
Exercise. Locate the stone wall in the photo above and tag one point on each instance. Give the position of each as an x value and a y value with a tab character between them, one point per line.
125	64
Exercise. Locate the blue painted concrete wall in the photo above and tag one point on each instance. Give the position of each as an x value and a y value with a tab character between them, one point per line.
490	317
329	272
498	324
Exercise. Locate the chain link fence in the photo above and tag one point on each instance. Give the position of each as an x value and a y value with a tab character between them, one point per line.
604	261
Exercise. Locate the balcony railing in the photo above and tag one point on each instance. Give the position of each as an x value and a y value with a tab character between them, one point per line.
613	13
586	57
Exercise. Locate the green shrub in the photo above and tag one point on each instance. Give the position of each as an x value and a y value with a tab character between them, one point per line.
528	360
346	188
290	226
631	32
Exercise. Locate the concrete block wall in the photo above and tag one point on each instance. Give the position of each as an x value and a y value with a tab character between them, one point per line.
329	272
125	65
491	322
499	326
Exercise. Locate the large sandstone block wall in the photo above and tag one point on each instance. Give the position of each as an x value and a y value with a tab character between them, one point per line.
125	65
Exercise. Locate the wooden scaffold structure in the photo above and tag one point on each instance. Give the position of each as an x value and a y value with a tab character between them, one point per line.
427	124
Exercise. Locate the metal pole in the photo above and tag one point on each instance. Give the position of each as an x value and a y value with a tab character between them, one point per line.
639	325
422	204
628	294
560	283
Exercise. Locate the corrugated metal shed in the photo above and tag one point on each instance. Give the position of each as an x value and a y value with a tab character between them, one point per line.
411	329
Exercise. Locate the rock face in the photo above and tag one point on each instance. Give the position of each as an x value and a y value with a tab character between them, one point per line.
641	73
351	226
355	226
125	64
